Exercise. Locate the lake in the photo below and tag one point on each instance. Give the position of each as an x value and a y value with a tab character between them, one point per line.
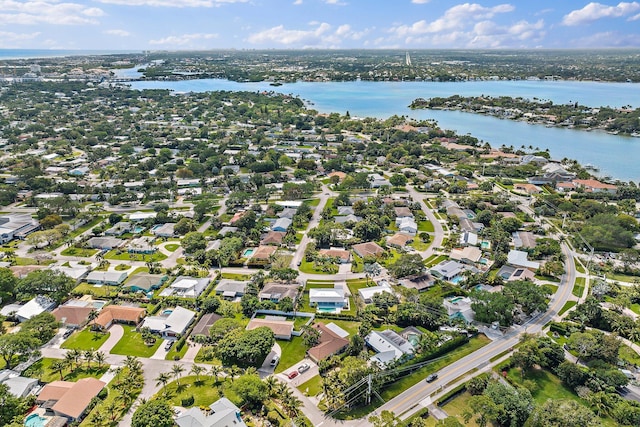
615	156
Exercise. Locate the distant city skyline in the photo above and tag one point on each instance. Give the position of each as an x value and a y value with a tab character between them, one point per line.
333	24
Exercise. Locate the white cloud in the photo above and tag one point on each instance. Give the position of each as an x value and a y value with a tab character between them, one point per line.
10	40
47	12
335	2
119	33
607	39
185	40
594	11
420	1
297	2
322	35
173	3
455	18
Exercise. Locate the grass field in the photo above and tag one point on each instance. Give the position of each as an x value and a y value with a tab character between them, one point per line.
42	370
456	407
125	256
566	307
79	252
86	340
172	247
292	352
425	226
96	290
171	355
311	387
131	344
578	287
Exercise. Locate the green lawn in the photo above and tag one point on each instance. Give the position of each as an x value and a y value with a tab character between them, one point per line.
579	266
551	289
131	344
239	277
113	397
86	340
548	385
566	307
308	267
629	355
125	256
42	370
292	352
425	226
578	287
172	247
434	259
623	277
97	291
204	392
348	325
171	355
456	407
311	387
79	252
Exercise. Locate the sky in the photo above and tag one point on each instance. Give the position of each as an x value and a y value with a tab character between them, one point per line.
316	24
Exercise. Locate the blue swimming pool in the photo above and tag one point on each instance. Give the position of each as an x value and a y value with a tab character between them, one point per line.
35	420
456	280
167	312
247	253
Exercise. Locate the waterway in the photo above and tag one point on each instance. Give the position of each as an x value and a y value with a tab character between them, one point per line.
615	156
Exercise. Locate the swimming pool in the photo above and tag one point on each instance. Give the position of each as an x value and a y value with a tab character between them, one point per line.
484	244
247	253
455	300
35	420
138	229
456	280
167	312
98	304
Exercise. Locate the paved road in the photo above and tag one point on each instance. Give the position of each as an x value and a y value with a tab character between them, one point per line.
438	231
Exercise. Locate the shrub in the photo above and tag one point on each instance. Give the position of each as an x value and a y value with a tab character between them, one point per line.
187	401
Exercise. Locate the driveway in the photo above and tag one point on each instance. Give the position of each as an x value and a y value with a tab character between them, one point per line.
303	377
266	369
116	332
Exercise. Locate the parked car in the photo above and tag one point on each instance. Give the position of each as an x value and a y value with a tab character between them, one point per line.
168	345
292	374
274	361
432	377
68	333
304	367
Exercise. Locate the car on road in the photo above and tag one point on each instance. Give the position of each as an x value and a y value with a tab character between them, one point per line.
274	361
432	377
304	367
292	375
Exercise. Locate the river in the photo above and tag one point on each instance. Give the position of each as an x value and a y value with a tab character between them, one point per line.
615	156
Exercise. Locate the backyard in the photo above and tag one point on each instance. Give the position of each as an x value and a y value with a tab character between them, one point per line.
43	371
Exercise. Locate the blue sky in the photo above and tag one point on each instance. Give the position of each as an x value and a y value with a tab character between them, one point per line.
337	24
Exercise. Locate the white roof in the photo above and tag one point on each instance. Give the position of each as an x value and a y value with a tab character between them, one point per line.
337	330
519	258
37	305
368	293
389	341
185	284
326	295
139	216
20	386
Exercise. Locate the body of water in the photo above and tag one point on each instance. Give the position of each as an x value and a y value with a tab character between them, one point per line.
615	156
50	53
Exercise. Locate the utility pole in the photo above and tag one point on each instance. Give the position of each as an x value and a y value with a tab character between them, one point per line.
369	389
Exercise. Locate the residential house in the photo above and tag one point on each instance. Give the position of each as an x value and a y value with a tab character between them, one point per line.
368	249
33	307
75	270
281	224
275	292
273	238
119	229
227	230
17	385
205	323
342	255
377	181
287	213
420	282
142	216
16	226
231	289
282	329
186	287
72	315
141	245
403	212
104	243
171	323
112	278
594	186
527	188
447	270
342	219
68	399
389	347
399	240
329	343
407	225
467	255
145	282
262	254
524	239
222	413
165	230
519	259
329	299
345	210
111	314
368	293
510	273
468	238
459	308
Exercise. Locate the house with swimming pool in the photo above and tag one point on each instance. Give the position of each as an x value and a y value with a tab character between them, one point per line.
329	300
170	323
186	287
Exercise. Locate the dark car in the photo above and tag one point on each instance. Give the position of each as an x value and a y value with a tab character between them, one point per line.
68	333
168	345
432	377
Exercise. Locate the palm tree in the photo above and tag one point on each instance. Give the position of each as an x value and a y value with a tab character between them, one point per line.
177	371
292	404
89	356
134	365
251	370
197	370
116	371
97	418
92	316
233	371
76	355
58	366
70	358
111	409
215	371
272	384
163	379
100	358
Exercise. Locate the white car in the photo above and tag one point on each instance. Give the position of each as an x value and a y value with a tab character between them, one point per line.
304	367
